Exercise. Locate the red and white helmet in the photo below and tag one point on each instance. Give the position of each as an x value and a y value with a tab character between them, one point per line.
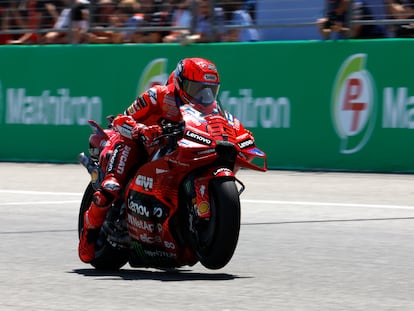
197	82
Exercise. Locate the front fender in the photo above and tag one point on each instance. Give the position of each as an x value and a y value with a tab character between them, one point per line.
223	172
202	184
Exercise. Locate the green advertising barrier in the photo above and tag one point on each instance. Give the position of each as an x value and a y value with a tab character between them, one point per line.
333	105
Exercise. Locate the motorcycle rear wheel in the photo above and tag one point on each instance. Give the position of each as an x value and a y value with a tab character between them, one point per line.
218	241
106	256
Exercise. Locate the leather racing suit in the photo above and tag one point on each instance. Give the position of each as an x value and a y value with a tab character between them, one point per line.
154	107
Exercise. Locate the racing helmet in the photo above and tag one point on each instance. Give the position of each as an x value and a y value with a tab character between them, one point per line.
197	83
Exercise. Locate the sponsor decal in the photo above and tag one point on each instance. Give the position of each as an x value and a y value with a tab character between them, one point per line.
49	108
202	190
145	238
157	212
145	182
247	143
398	108
113	158
153	253
159	253
144	225
160	171
353	104
152	94
138	209
122	160
197	138
203	209
169	245
223	170
125	130
265	112
210	77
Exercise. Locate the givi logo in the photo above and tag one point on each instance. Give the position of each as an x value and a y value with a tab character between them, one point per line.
353	104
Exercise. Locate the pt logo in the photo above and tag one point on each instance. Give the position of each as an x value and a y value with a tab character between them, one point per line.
353	105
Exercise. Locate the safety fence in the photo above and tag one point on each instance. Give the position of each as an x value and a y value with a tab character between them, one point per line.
325	105
157	21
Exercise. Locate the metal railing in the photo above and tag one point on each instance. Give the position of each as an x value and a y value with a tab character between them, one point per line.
19	18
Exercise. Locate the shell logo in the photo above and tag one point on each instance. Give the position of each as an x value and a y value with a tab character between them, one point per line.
203	208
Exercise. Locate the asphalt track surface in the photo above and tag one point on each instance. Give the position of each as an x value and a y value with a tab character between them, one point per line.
308	241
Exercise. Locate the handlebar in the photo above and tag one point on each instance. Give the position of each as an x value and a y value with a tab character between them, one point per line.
174	129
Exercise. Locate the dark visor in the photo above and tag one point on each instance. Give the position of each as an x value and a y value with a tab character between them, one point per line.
203	93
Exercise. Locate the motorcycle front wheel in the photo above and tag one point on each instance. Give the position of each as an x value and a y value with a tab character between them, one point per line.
218	238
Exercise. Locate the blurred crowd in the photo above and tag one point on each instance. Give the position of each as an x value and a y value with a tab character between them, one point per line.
356	19
185	21
126	21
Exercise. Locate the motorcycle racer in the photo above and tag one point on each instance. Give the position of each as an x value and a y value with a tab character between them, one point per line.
195	81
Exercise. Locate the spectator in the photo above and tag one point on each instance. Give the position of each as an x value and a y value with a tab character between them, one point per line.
250	7
209	24
80	21
75	17
13	16
16	11
402	9
104	17
236	16
155	15
32	23
128	17
335	19
361	11
4	23
49	11
181	17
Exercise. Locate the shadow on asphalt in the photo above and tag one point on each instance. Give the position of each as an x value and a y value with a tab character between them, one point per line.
157	275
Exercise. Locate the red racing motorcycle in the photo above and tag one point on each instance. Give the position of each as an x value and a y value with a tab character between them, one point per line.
182	206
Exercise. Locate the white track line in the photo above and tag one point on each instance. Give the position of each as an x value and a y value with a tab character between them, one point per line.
40	203
40	192
390	206
275	202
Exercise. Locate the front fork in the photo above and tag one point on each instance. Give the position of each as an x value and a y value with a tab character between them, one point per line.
197	189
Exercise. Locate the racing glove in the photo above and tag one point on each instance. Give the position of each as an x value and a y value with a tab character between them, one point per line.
147	134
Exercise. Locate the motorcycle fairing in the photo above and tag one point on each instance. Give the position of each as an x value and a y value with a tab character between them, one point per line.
154	191
148	223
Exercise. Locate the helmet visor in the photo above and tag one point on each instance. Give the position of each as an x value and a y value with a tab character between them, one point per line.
203	93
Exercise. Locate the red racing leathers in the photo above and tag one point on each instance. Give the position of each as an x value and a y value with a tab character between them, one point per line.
123	152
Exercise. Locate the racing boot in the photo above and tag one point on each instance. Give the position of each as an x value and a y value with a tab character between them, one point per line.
92	221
